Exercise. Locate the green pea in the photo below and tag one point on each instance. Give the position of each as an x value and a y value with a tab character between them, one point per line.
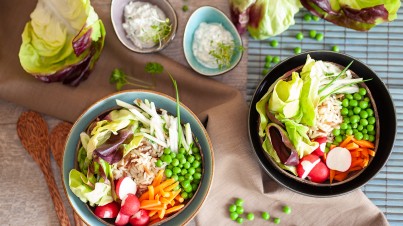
344	111
363	122
366	99
239	220
276	59
250	216
167	151
297	50
184	195
180	156
357	96
265	215
276	220
349	96
363	104
188	189
355	130
185	8
233	215
353	103
175	162
307	17
364	114
350	112
319	37
354	119
189	176
349	132
371	120
334	143
315	18
181	178
158	163
358	135
169	166
356	110
184	172
197	156
173	155
274	43
268	58
196	164
371	132
267	65
197	176
362	91
239	209
312	33
344	103
364	131
335	48
346	120
168	173
342	131
195	149
370	112
167	159
190	195
343	126
287	209
370	127
175	177
185	183
371	138
366	136
239	202
176	170
191	171
186	165
338	139
265	72
336	132
299	36
360	127
182	151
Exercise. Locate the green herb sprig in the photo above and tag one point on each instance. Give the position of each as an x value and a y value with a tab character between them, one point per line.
161	30
223	53
120	79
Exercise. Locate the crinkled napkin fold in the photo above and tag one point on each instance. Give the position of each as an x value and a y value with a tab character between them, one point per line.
237	172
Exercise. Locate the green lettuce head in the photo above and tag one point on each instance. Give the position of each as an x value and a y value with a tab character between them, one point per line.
62	42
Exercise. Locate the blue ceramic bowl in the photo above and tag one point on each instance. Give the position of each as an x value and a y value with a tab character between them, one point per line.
161	101
209	14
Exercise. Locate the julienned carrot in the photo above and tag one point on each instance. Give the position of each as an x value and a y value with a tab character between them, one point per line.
158	178
355	168
174	209
152	213
365	143
149	203
371	152
172	186
331	175
341	176
179	198
346	141
351	146
150	192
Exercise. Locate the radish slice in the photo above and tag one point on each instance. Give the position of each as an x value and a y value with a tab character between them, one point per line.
339	159
141	218
109	210
130	205
322	146
308	166
125	186
122	219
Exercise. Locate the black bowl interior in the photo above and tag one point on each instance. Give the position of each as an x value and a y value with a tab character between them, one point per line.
386	114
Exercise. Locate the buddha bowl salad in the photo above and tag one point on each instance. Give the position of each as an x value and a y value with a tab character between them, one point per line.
137	164
318	123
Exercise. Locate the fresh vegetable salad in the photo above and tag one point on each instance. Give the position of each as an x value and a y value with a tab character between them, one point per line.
136	164
318	123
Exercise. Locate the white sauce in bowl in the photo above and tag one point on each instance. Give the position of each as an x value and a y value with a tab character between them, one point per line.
205	40
139	19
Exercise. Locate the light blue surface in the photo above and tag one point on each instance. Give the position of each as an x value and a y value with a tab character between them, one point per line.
161	101
209	14
381	49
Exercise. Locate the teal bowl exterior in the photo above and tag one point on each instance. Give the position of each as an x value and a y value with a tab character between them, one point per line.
161	101
209	14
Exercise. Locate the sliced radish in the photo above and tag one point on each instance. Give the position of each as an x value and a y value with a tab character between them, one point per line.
130	205
109	210
125	186
306	164
122	219
319	173
339	159
322	146
141	218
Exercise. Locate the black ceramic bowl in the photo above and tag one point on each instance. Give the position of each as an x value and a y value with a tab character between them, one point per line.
386	118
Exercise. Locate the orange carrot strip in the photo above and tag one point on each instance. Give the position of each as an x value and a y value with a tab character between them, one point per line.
355	168
158	178
161	213
150	192
365	163
331	175
355	153
371	152
155	217
356	162
173	195
332	146
172	186
152	213
179	198
164	200
158	208
149	203
346	141
174	209
364	153
351	146
144	196
165	184
172	203
365	144
341	176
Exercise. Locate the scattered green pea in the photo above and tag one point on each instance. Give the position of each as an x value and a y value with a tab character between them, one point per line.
274	43
315	18
239	202
239	210
158	163
319	37
287	209
307	17
239	220
265	72
185	8
268	58
357	96
233	216
276	220
312	33
297	50
362	91
265	215
335	48
276	59
250	216
299	36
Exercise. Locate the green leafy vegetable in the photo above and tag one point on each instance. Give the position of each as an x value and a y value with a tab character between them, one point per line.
161	31
120	79
223	53
154	68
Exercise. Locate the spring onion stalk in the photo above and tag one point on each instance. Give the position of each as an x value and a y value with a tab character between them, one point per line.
340	88
335	78
178	110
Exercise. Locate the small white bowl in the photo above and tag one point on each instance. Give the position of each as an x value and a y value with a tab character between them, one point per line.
117	17
209	14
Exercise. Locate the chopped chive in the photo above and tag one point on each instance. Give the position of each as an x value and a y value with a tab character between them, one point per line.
312	33
307	17
335	48
276	59
299	36
315	18
297	50
319	37
274	43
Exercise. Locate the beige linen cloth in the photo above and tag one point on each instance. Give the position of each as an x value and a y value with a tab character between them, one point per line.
237	172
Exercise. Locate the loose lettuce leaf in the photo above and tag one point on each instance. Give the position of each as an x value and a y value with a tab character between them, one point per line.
240	13
110	151
297	133
62	42
359	15
269	18
268	147
285	99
